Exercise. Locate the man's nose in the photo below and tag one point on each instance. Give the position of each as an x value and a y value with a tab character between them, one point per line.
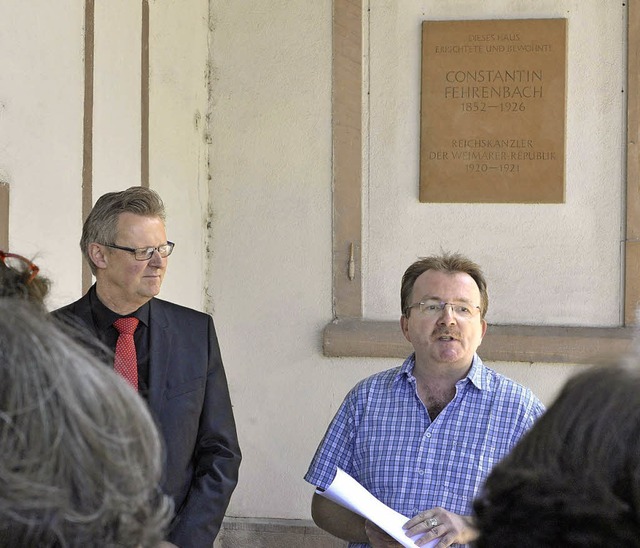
446	315
156	259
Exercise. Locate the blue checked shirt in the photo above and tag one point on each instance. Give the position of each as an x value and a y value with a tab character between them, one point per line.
382	436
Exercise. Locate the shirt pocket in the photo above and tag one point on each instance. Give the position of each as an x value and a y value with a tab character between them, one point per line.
467	464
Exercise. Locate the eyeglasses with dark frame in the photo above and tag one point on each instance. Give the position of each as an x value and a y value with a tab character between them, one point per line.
145	253
434	308
19	264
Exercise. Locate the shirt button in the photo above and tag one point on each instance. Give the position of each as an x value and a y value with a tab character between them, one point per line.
421	472
428	434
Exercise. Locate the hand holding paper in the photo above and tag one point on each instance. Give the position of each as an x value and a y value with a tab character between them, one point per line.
347	492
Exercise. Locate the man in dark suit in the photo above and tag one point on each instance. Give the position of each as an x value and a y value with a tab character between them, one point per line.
177	365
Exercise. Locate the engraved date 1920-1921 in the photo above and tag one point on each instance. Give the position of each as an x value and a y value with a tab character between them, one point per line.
489	168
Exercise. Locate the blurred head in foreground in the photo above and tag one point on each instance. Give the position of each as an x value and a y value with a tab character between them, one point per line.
80	455
574	479
19	277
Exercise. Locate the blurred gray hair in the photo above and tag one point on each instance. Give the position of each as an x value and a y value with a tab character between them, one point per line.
80	457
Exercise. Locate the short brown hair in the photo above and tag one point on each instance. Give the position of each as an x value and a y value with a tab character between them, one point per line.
447	262
101	225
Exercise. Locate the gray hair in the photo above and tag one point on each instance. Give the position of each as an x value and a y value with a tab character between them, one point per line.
101	225
80	457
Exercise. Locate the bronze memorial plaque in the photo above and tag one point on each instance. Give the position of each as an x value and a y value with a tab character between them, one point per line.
493	111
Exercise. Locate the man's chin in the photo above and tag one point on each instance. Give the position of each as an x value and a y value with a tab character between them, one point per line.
449	357
449	351
151	290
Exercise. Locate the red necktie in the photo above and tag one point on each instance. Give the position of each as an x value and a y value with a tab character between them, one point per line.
126	361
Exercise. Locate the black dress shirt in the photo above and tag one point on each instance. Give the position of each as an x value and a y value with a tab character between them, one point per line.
103	319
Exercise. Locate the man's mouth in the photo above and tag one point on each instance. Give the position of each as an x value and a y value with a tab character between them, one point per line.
446	337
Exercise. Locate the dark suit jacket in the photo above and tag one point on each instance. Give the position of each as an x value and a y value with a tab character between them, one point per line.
189	399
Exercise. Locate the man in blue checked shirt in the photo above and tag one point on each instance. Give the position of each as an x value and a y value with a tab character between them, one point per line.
422	437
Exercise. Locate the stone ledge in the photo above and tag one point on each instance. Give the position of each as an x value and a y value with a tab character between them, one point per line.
274	533
357	337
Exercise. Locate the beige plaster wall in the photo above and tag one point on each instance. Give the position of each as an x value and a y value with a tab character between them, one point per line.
271	200
41	128
271	239
246	175
41	94
543	260
178	140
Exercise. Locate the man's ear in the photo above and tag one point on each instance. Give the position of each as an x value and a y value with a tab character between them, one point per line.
484	328
97	255
404	325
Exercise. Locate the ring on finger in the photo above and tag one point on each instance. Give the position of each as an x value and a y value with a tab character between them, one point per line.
431	522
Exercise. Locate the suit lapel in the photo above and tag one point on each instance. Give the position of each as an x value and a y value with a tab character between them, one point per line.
161	341
82	310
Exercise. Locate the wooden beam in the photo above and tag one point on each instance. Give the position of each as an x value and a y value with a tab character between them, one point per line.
632	240
144	97
87	144
347	157
4	215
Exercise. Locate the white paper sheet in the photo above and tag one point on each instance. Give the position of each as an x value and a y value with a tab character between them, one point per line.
347	492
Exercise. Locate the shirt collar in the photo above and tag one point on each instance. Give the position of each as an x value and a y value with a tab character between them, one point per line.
406	369
104	317
477	373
